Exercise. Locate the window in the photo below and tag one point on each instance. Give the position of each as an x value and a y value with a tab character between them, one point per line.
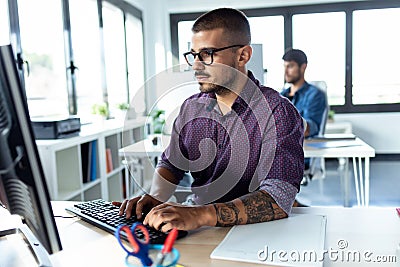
269	32
185	39
75	54
322	37
375	56
115	56
4	28
135	59
87	55
43	47
355	43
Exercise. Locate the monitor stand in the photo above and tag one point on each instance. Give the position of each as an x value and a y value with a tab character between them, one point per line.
38	251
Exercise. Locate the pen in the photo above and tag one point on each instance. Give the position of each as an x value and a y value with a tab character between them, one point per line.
169	242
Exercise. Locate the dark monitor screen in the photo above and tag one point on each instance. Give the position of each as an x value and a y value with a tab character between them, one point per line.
23	188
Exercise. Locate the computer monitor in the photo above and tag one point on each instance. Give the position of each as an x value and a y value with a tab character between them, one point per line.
23	188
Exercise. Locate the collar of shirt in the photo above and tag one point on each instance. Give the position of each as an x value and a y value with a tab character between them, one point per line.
302	89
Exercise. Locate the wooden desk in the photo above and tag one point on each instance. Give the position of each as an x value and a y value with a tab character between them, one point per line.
376	230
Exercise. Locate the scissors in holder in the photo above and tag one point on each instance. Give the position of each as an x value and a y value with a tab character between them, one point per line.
140	247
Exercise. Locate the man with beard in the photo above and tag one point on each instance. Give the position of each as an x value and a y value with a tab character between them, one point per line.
309	100
241	141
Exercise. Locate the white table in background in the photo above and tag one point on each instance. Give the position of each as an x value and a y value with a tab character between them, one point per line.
357	153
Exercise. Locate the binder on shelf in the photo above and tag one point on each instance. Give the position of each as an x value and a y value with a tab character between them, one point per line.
85	159
89	162
109	162
93	159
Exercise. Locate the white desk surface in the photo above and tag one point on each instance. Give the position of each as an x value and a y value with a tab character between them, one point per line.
362	150
145	148
376	230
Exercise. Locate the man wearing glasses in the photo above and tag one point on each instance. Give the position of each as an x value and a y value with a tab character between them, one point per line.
241	141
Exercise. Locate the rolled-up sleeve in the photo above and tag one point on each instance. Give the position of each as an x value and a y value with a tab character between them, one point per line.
282	192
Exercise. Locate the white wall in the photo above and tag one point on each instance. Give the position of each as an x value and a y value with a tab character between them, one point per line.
380	130
4	26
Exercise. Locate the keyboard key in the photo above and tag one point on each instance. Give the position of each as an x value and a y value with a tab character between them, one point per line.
106	216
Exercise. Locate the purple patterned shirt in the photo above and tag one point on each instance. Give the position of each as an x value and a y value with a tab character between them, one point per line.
257	145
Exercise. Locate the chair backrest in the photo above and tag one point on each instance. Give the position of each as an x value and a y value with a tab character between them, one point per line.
317	165
322	86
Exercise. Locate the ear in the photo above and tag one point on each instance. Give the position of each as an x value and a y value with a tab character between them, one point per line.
303	67
245	55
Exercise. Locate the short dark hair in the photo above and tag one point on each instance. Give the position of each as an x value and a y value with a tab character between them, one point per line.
233	21
295	55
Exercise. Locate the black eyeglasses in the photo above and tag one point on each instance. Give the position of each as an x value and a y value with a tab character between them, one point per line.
206	56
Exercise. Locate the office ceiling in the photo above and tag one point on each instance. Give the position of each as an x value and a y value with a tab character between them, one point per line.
185	6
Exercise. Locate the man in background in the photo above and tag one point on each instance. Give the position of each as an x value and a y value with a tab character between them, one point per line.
308	99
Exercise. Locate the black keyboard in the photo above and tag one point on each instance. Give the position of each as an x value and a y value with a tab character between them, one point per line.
104	215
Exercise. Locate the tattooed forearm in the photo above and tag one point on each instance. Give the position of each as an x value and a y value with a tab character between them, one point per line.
255	207
259	206
227	214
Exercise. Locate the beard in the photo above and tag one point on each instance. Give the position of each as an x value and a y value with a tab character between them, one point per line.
293	79
213	88
219	88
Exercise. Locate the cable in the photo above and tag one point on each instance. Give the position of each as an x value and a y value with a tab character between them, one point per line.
65	217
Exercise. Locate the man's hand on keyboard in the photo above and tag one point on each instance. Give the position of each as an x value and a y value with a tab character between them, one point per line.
138	205
166	216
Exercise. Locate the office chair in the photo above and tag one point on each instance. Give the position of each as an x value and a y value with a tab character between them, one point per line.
317	165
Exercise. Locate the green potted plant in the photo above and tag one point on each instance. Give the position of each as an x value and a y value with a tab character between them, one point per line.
123	106
158	120
331	115
121	110
101	111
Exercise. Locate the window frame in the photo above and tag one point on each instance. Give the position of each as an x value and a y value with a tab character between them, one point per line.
68	49
287	12
127	8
